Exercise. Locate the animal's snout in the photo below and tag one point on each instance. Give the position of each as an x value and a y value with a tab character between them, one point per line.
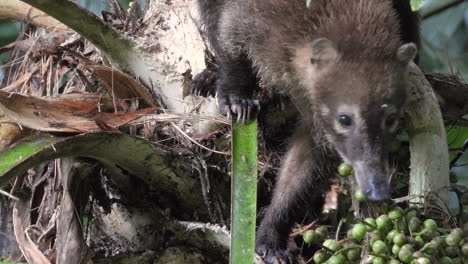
378	189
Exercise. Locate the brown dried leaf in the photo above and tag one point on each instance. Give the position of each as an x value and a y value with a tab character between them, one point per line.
110	121
120	84
16	85
7	47
61	114
21	222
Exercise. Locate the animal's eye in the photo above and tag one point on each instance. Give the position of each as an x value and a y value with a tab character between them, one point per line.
391	120
345	120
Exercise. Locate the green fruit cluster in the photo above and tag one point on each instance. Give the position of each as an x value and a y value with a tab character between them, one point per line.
392	238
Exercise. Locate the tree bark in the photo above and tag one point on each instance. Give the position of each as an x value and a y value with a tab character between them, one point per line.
429	177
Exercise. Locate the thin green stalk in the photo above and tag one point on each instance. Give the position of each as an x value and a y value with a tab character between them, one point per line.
243	192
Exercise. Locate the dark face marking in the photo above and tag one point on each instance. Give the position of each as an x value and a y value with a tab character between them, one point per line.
361	121
359	101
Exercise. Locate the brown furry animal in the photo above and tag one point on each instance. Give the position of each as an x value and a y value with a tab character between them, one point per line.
344	63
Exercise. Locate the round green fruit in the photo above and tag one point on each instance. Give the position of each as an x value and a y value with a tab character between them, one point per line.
378	260
399	239
458	232
320	256
322	233
408	247
309	236
406	256
452	239
391	235
359	232
394	261
411	212
353	254
383	222
414	224
338	259
423	260
333	245
395	214
359	196
430	224
345	170
465	249
446	260
379	247
395	250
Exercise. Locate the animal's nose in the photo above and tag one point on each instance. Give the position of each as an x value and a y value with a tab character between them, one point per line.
377	190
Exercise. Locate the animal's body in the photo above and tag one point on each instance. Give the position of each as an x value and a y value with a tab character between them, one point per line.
344	63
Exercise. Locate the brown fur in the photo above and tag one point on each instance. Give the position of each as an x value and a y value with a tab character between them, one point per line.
340	57
277	28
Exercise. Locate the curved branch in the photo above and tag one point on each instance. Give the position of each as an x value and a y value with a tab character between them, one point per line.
16	10
119	50
119	153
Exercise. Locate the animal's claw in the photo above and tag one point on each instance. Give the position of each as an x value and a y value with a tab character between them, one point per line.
245	109
204	83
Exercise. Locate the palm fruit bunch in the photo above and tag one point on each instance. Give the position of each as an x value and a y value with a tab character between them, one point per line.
392	238
396	236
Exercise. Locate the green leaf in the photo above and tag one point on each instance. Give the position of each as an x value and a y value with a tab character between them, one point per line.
243	192
117	151
20	153
417	4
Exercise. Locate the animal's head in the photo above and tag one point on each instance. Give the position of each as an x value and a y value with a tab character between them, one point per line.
358	102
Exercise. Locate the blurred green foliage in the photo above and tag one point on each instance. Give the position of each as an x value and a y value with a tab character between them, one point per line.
417	4
445	41
97	6
444	38
9	31
4	260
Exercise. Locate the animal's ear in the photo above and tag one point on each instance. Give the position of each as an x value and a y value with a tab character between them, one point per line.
323	52
406	53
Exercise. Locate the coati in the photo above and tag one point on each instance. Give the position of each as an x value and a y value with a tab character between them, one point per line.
344	64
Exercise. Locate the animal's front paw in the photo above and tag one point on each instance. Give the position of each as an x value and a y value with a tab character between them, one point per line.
244	108
204	83
274	256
